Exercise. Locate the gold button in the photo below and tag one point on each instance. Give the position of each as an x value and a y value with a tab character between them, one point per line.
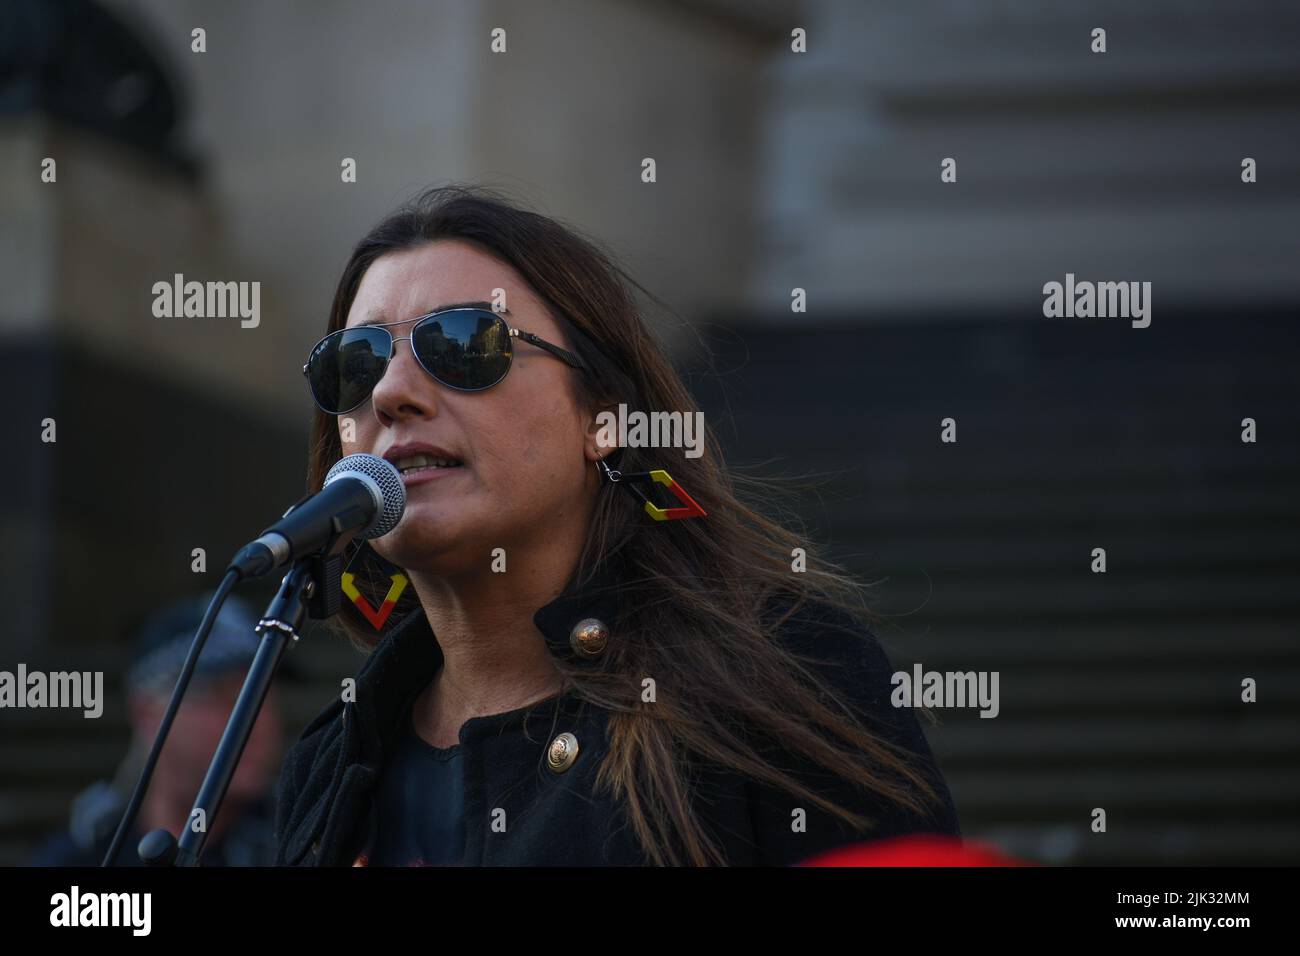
589	637
562	752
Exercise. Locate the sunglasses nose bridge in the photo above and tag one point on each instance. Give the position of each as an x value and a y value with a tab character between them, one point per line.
399	385
393	354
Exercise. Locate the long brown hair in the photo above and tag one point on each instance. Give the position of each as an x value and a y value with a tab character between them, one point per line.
710	584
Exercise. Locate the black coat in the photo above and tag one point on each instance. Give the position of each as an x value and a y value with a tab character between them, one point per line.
325	814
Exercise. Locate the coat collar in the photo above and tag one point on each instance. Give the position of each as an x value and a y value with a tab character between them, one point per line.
408	657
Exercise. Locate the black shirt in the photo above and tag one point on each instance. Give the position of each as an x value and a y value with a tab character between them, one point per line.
420	805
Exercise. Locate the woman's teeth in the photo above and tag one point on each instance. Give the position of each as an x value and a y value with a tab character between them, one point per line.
418	462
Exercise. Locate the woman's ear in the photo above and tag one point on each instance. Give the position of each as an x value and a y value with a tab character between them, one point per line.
602	432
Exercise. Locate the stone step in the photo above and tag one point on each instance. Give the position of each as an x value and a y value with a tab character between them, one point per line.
1209	643
1236	841
1005	743
1084	596
1175	688
1192	795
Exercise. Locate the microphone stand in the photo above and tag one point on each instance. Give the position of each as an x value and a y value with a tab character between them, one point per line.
312	584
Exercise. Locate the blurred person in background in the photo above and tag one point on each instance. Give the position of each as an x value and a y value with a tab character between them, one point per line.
241	833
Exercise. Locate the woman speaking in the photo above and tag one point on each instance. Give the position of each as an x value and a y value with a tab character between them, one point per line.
582	654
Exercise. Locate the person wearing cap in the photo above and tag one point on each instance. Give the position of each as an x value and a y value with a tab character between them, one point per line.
241	834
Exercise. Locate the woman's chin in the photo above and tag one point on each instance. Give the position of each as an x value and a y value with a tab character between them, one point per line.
427	524
437	549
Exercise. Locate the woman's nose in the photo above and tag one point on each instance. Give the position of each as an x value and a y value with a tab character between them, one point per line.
406	390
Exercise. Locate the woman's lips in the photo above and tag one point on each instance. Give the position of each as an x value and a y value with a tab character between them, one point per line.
418	476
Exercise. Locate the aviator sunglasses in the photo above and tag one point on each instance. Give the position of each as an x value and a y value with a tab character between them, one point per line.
468	349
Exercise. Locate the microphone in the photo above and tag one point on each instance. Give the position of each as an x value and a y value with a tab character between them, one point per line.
362	495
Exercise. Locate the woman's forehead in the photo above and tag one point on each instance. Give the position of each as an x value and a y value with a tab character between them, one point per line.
402	286
378	316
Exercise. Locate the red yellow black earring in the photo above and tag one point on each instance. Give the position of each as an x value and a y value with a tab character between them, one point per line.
377	617
636	482
386	582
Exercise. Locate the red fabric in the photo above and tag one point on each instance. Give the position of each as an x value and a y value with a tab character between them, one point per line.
928	850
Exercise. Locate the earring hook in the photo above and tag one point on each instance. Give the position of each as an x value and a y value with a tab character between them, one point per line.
609	473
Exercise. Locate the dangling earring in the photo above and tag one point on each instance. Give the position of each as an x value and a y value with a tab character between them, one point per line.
385	580
690	508
608	474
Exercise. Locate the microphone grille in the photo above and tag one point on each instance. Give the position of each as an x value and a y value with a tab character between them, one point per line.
386	478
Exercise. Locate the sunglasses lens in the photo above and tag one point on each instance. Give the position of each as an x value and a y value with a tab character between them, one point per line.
464	348
345	367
